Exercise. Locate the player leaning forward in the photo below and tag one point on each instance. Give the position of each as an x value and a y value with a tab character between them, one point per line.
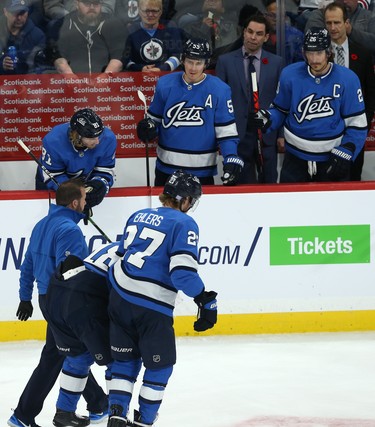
83	148
160	258
321	107
192	115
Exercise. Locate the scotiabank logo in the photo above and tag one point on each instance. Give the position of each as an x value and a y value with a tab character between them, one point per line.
330	244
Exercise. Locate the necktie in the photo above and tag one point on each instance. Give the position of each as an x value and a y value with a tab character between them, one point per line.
340	55
251	70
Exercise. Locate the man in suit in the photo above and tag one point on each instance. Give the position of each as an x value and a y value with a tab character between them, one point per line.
233	68
360	26
356	57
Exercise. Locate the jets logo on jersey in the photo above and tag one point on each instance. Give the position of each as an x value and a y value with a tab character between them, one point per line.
179	115
152	50
310	108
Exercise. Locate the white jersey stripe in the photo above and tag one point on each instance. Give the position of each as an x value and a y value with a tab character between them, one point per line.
187	160
148	289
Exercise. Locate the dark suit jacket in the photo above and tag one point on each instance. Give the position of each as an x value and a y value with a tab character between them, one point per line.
230	69
360	61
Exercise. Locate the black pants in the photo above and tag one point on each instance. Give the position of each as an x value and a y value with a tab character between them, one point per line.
295	169
44	377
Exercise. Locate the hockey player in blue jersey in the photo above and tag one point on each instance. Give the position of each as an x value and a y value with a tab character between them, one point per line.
321	107
192	115
77	313
83	148
160	248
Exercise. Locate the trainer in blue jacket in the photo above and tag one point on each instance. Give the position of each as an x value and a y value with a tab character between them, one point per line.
53	238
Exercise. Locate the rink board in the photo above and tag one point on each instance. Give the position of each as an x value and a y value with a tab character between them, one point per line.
280	260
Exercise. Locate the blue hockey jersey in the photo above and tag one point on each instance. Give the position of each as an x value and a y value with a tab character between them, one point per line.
319	113
64	161
194	121
161	252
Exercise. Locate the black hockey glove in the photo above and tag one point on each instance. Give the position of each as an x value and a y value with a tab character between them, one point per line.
207	311
87	211
25	310
96	189
340	162
146	130
232	167
260	120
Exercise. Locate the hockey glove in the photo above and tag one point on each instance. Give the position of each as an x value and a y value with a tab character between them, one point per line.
25	310
87	211
96	189
207	311
340	162
260	120
232	167
146	130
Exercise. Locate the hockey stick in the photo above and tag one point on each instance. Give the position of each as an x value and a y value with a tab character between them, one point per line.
142	97
260	162
53	179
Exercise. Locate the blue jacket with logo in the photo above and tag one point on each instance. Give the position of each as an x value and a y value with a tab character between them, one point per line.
53	238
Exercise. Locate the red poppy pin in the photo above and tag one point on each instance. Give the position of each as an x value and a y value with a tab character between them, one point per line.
265	61
354	56
161	27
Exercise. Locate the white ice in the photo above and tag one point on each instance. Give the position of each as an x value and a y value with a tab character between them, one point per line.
304	380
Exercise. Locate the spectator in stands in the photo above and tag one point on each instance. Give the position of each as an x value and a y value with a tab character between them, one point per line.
16	29
56	9
153	45
214	24
360	27
128	11
293	36
87	41
234	69
358	59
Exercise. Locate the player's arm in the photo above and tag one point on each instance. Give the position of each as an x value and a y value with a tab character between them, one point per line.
26	286
185	277
227	136
353	112
105	166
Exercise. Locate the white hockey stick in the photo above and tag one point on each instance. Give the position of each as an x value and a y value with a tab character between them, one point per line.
53	179
142	97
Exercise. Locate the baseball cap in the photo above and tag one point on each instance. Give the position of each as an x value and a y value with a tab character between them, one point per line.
16	6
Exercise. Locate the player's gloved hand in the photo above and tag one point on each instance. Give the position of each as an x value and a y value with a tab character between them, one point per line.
96	189
232	167
87	211
340	161
260	120
25	310
207	311
146	130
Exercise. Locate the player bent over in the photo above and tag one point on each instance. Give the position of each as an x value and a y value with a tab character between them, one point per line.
321	107
77	311
83	148
192	115
160	258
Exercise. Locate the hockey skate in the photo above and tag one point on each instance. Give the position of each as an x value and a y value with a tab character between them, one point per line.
15	422
116	418
138	422
96	418
69	419
116	421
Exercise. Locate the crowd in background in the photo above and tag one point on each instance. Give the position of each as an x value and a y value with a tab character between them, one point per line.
94	36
